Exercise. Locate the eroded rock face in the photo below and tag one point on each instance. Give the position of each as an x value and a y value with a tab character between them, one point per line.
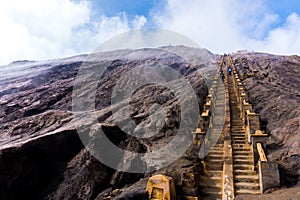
274	90
41	154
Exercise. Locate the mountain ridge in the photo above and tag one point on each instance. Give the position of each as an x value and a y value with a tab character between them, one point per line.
37	123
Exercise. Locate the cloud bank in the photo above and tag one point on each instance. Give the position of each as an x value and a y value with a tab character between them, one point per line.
231	25
35	30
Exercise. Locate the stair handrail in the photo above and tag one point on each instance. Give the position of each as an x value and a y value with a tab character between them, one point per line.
261	152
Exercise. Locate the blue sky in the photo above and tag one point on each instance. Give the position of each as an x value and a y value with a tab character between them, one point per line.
47	29
284	7
144	7
131	7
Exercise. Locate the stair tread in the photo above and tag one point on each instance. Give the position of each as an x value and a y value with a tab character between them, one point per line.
247	191
242	164
243	160
247	184
240	149
207	191
242	156
212	177
246	177
211	184
241	170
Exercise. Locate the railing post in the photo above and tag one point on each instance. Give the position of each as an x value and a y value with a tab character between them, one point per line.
258	138
253	120
268	175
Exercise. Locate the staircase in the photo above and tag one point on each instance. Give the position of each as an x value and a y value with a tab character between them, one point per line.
226	156
246	180
211	181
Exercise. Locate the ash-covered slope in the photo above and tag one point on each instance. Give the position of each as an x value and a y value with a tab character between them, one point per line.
274	90
41	154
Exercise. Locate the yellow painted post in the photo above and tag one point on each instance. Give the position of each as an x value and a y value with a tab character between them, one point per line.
261	152
161	187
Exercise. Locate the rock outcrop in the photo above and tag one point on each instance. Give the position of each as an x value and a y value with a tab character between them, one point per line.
274	90
42	156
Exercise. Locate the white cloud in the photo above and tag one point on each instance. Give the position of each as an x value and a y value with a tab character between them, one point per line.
285	39
39	29
35	29
230	25
139	21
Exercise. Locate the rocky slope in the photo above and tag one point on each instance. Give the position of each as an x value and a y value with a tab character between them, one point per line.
41	153
274	90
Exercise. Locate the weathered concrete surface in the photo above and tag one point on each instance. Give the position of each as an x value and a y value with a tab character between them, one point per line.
268	175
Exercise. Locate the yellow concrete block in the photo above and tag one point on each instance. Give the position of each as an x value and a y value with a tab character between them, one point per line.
189	198
261	152
161	187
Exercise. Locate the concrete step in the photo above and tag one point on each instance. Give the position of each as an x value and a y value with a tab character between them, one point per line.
236	126
245	172
214	152
241	150
237	130
243	161
212	179
238	136
247	185
219	145
245	191
214	166
236	117
238	142
241	147
214	157
213	173
246	178
211	195
216	149
214	162
236	121
211	189
217	185
245	157
238	133
243	167
239	139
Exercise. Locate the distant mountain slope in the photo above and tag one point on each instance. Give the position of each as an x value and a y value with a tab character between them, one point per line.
41	155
